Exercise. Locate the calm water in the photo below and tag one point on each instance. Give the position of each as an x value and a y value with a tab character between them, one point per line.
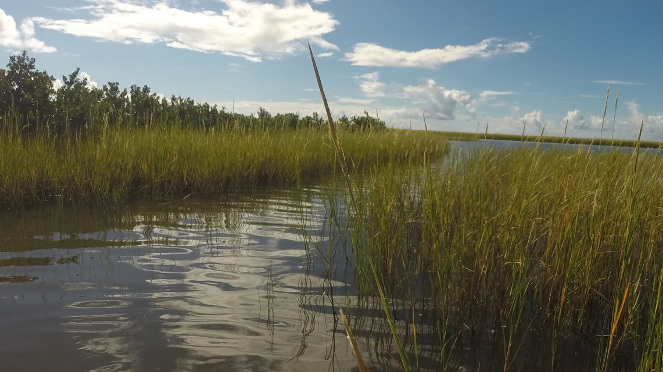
223	285
504	144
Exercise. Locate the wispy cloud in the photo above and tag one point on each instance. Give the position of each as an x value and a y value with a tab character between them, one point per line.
490	94
368	54
618	82
23	37
251	30
357	101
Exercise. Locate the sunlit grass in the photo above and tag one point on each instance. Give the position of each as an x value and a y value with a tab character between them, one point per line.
525	257
159	163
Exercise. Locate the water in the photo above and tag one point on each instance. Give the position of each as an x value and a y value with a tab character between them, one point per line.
507	144
223	285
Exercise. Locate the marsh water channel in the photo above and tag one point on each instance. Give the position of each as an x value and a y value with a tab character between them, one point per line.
230	284
236	283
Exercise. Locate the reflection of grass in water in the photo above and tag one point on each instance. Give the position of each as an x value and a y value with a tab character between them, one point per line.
522	256
67	260
37	261
17	279
26	261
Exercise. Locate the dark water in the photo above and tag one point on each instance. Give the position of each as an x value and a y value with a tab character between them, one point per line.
214	285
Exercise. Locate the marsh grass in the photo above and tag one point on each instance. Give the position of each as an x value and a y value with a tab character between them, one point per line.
120	164
519	259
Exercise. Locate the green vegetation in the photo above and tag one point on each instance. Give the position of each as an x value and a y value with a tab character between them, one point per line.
161	163
30	102
519	259
86	145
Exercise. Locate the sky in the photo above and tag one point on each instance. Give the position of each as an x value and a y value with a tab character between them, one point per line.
509	66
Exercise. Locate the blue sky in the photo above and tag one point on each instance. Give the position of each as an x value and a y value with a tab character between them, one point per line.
465	65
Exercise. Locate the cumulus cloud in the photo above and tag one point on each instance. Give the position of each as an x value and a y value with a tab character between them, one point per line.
434	100
371	85
90	84
650	122
439	101
575	119
533	119
368	54
531	123
20	37
247	29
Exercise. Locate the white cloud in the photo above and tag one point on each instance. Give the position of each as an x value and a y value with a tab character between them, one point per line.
368	54
371	85
533	119
326	54
532	123
439	101
595	122
23	37
356	101
618	82
652	123
302	108
488	95
575	119
247	29
90	83
434	100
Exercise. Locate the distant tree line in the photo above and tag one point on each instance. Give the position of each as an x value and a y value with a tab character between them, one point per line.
31	102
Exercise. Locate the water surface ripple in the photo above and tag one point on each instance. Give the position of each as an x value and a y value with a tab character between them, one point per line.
224	285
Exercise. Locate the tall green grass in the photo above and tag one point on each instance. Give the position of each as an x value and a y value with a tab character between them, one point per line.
520	259
119	164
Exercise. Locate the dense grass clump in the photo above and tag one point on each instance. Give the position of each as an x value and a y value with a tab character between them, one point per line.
521	259
119	164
